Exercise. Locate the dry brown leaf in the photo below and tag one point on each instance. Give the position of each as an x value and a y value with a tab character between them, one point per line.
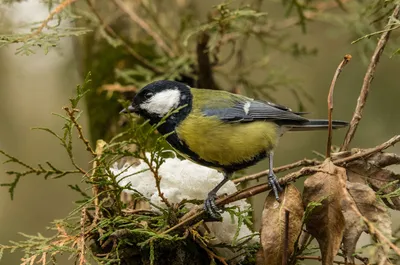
273	224
326	222
368	205
371	172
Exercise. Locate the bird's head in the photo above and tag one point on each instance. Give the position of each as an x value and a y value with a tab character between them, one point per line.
157	99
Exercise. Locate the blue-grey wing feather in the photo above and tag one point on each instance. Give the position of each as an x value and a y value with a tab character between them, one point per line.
252	110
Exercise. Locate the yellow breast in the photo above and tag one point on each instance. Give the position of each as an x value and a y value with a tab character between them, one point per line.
227	143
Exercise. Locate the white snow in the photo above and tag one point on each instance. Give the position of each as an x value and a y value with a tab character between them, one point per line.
183	179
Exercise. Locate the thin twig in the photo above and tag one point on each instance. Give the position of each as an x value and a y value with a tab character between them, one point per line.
392	141
160	25
339	69
127	46
254	190
82	259
369	76
316	10
44	24
157	178
256	176
71	114
319	8
138	20
95	188
210	253
286	242
242	194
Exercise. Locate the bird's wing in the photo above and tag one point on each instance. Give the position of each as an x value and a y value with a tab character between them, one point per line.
237	108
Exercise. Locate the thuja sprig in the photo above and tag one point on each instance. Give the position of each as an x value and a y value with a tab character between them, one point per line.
66	138
48	170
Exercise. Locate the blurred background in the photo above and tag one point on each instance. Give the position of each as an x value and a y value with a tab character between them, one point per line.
32	87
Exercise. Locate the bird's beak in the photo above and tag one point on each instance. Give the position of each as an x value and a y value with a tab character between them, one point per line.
129	109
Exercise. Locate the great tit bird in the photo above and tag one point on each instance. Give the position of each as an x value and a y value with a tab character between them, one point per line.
218	129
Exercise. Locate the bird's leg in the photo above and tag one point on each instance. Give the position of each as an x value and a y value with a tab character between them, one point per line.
272	179
209	203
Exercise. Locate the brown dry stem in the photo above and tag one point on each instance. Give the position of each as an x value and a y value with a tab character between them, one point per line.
71	115
318	9
82	259
256	176
392	141
254	190
286	242
369	76
95	189
143	24
346	59
126	45
157	178
44	24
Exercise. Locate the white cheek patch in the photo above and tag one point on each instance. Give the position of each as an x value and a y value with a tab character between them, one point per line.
162	102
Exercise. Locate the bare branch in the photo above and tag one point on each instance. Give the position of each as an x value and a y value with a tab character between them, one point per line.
286	242
385	145
56	11
71	114
369	76
127	46
138	20
256	176
95	188
254	190
206	79
82	259
342	64
318	9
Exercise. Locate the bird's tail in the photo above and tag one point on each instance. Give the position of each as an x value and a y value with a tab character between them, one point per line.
317	125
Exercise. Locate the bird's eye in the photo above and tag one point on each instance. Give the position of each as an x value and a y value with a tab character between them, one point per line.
148	95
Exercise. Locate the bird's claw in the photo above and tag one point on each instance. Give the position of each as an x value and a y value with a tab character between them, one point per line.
276	187
212	209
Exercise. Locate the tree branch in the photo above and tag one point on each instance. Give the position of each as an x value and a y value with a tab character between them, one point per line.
368	152
256	176
206	79
194	214
138	20
44	24
342	64
127	46
369	76
71	114
82	241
